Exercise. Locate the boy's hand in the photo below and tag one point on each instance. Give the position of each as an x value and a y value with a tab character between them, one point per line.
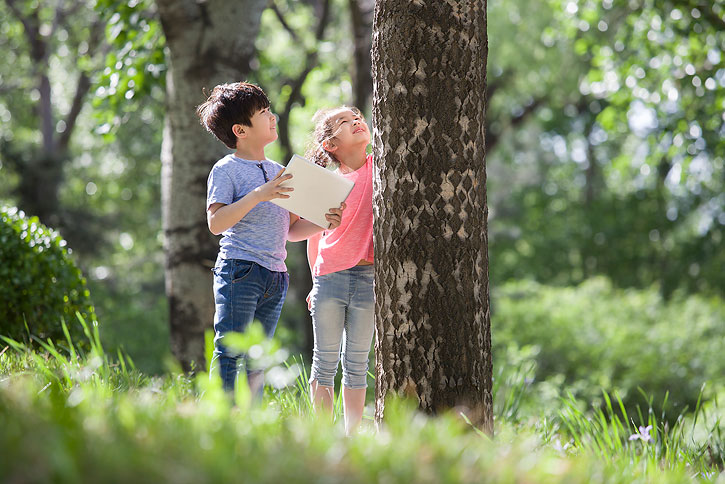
334	216
272	188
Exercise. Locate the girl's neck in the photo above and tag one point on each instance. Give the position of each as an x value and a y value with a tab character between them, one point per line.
352	162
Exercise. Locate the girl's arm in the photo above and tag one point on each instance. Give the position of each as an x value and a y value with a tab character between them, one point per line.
301	229
219	217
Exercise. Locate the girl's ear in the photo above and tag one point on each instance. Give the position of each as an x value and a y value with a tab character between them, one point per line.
239	131
328	145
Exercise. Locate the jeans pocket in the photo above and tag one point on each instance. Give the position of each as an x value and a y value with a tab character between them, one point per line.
242	270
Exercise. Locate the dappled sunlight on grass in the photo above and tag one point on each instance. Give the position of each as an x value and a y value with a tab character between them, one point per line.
71	416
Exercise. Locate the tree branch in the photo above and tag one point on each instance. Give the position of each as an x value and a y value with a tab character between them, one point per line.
280	17
82	87
717	21
32	30
297	83
494	86
493	139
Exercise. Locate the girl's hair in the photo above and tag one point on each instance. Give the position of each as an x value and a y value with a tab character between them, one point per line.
324	132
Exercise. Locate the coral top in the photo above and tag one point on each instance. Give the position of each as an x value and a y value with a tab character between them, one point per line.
342	248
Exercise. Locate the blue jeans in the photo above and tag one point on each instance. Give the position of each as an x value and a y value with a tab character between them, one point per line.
343	309
244	291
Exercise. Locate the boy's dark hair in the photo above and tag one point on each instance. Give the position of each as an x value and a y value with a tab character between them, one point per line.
230	104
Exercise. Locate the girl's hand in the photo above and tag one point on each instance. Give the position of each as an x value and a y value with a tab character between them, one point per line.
272	188
334	216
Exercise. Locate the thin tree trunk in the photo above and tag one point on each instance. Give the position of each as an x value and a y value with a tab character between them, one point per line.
42	169
209	43
361	13
433	340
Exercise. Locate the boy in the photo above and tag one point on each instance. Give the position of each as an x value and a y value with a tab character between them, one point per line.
250	276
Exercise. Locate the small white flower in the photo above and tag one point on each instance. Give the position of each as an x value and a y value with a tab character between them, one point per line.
642	435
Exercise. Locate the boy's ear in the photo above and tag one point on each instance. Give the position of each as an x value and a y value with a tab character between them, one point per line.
239	131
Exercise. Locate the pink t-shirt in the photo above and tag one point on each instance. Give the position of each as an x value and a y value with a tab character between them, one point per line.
342	248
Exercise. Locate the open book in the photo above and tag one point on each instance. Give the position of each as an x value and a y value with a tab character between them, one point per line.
316	190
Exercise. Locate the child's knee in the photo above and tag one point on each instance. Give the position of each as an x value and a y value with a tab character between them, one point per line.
355	370
324	367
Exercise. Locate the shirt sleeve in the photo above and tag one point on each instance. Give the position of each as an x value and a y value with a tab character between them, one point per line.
220	188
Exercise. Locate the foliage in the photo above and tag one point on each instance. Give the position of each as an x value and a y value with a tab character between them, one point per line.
595	336
65	31
135	70
619	168
51	52
72	416
43	285
610	431
109	193
583	179
125	272
628	238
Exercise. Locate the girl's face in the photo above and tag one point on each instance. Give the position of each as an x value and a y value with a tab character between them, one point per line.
349	130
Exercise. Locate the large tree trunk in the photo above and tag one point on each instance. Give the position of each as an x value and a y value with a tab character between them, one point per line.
433	340
209	43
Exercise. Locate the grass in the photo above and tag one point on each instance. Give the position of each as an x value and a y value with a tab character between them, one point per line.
69	415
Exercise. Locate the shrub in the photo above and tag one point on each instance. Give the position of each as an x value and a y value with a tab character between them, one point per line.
40	283
595	337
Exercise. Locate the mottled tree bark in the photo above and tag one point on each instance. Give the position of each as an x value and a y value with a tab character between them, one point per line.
433	340
209	43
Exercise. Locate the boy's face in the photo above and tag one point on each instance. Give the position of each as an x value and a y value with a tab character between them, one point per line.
263	129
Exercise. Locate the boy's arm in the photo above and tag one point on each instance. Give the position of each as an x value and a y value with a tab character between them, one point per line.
301	229
219	217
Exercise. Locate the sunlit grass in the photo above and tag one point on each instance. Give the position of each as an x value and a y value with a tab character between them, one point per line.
71	415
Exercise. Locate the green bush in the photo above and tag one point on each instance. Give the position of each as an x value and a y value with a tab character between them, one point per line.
41	286
595	337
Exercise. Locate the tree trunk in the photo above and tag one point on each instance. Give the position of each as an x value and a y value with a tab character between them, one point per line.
41	169
433	340
209	43
361	14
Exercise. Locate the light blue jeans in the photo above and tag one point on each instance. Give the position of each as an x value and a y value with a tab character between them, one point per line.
343	309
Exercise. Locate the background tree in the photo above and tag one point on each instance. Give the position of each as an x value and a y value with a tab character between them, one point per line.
432	293
52	54
208	43
361	17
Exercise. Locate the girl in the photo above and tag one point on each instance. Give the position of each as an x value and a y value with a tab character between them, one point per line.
341	261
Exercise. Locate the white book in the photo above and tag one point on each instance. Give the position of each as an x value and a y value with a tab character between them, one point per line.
316	190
